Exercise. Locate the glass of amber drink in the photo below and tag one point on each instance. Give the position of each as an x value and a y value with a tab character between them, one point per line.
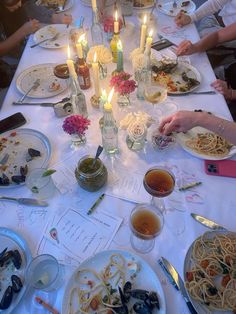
146	223
159	182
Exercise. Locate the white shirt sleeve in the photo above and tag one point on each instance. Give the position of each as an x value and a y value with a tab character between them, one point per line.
208	8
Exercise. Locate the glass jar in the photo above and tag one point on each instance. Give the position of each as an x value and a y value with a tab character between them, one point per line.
136	136
126	7
91	178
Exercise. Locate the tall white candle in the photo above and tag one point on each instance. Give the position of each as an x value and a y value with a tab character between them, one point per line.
79	47
116	23
70	64
143	33
95	68
149	41
94	5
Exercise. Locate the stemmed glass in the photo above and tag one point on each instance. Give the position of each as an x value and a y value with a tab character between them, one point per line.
159	182
155	94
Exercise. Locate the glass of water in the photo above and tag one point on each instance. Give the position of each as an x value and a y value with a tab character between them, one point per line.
45	273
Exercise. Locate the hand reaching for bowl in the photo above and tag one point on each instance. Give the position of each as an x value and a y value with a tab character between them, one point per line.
186	47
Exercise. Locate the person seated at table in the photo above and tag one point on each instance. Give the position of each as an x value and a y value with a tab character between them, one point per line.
212	15
6	70
14	13
182	121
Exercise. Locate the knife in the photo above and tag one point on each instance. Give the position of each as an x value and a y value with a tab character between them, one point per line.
207	222
43	104
209	92
176	281
25	201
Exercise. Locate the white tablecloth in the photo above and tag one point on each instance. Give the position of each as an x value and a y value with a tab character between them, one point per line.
214	198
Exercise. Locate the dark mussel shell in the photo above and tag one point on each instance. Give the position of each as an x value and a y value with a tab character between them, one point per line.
16	259
4	180
33	152
18	179
127	291
6	257
3	253
140	294
152	301
6	299
121	309
16	283
24	170
141	308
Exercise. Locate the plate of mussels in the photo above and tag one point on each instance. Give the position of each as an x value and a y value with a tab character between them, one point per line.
15	256
22	150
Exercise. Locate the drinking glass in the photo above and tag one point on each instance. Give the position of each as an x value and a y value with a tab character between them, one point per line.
155	93
159	182
44	273
146	223
41	187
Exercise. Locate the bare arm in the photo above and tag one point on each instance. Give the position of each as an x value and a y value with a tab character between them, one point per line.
183	121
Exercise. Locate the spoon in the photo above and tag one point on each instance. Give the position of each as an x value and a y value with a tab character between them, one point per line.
98	153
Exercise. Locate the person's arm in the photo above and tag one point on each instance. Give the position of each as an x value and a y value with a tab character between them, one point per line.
223	88
18	36
208	8
225	34
183	121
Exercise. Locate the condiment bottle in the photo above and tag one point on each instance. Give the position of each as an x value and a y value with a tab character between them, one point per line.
82	69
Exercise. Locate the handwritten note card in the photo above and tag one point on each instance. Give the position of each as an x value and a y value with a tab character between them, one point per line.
81	236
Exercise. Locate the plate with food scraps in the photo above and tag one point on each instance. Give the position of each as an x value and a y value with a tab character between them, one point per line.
204	144
178	77
26	149
57	5
143	4
49	84
168	8
209	277
94	286
88	3
15	256
57	35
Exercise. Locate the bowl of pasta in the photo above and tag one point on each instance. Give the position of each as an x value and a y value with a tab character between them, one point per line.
210	272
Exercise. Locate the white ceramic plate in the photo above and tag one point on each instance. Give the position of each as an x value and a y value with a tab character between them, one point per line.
68	5
183	137
12	241
146	278
167	7
17	147
88	3
143	4
48	32
43	72
199	307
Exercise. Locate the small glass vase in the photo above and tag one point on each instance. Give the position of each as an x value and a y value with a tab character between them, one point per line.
77	140
123	100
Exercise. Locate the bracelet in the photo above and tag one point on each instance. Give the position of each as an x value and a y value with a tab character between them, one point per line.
221	127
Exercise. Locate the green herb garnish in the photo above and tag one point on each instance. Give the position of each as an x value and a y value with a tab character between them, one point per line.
48	172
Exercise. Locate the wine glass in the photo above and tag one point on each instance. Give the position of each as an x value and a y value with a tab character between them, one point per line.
146	223
159	182
155	94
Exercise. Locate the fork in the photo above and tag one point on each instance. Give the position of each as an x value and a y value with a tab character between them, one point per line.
48	39
4	159
33	87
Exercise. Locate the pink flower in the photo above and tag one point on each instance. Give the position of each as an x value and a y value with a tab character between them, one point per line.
122	83
75	124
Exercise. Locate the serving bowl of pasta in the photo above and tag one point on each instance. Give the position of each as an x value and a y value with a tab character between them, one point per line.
210	272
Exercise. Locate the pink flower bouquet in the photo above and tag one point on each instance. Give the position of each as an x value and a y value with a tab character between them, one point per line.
76	124
122	83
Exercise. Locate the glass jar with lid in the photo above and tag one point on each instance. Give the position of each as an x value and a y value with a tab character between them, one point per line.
91	177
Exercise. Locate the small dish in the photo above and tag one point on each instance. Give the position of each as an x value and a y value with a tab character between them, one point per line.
162	142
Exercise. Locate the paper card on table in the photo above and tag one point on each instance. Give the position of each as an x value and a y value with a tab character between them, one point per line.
127	187
80	235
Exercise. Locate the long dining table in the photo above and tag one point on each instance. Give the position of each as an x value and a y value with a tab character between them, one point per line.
214	198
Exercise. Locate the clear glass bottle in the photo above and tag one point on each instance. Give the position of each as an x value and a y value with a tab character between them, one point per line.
77	97
96	30
109	131
113	45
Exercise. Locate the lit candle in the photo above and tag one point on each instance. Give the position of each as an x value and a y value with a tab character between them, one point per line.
96	75
120	67
108	105
149	42
79	48
143	33
94	5
70	64
116	23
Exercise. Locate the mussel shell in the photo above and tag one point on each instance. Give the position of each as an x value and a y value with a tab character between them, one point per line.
17	259
6	299
127	291
6	257
139	294
18	179
16	283
121	309
141	308
3	253
24	170
33	152
4	180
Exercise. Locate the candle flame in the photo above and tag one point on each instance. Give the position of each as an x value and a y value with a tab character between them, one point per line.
110	95
95	57
68	52
150	33
104	93
119	45
116	16
81	38
145	19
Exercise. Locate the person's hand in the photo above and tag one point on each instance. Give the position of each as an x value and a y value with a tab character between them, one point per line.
186	47
182	19
30	27
222	88
180	121
62	18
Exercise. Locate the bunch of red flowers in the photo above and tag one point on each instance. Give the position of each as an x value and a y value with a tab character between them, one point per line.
122	83
76	124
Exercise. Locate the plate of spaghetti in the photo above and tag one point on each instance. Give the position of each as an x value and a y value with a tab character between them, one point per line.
113	282
204	144
210	272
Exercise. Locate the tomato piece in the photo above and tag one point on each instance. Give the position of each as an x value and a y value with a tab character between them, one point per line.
189	276
13	134
204	263
225	280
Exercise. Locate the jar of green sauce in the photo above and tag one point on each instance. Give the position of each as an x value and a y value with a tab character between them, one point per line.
91	177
